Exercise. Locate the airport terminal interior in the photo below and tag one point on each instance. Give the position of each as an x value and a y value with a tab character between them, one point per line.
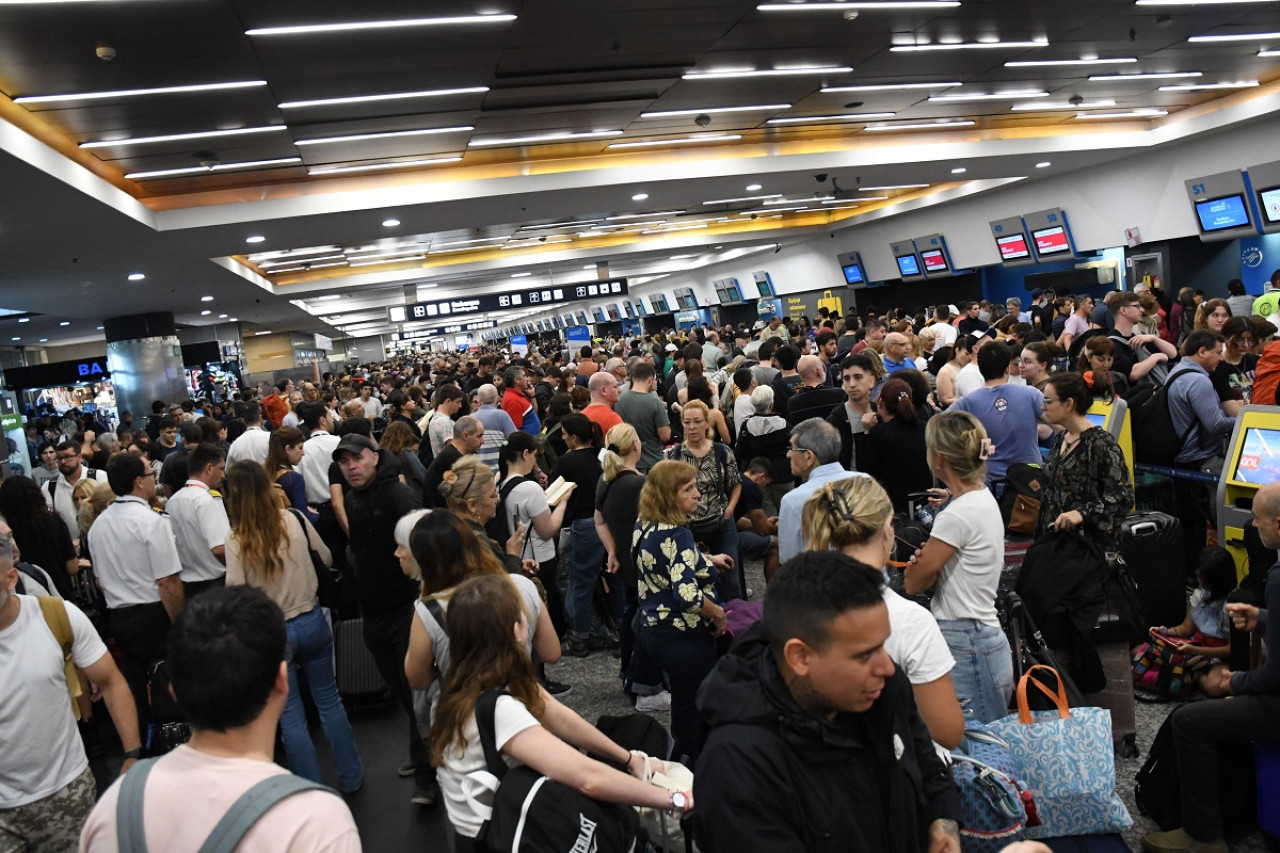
225	193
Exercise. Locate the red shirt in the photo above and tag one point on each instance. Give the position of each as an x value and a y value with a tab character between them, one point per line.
515	404
601	414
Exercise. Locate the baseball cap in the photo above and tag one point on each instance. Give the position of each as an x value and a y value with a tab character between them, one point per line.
1037	293
354	443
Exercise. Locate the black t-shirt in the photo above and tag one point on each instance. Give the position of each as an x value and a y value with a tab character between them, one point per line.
1125	357
444	460
1235	381
47	544
783	389
619	503
971	324
750	498
580	466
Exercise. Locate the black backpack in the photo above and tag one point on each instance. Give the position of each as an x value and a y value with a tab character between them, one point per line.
534	814
498	528
1155	441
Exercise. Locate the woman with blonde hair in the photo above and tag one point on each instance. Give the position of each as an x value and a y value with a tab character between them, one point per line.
284	452
855	517
270	548
471	492
961	563
488	632
679	617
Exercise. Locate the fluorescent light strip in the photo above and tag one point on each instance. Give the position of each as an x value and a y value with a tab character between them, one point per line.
221	167
1269	53
643	215
767	72
744	198
889	87
1140	113
861	6
390	96
402	164
1236	37
670	228
1152	75
323	266
389	254
921	126
417	257
383	248
302	261
524	244
468	242
1197	2
360	137
997	96
689	140
800	200
559	224
1050	63
1062	105
330	298
544	137
825	209
754	108
1206	87
132	93
816	119
292	254
404	23
969	45
756	213
888	187
179	137
861	199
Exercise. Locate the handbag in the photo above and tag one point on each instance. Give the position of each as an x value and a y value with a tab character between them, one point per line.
665	832
328	578
996	807
1067	757
1020	502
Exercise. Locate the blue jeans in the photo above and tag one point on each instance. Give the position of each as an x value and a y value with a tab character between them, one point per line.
311	640
983	674
753	546
586	561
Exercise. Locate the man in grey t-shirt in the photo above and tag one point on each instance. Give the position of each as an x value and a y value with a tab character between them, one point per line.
641	408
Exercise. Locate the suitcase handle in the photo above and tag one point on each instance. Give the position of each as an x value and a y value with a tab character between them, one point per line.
1142	528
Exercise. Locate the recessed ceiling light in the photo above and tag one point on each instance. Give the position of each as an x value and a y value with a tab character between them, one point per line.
133	93
920	125
743	199
206	298
996	96
99	328
404	23
396	134
640	197
754	108
888	87
767	72
754	187
862	6
1206	87
369	167
24	319
15	339
521	274
816	119
1138	113
969	45
1151	75
1234	37
959	170
1046	106
43	340
232	319
205	313
562	136
1049	63
65	323
1044	164
390	223
136	276
256	238
388	96
220	167
222	316
179	137
687	140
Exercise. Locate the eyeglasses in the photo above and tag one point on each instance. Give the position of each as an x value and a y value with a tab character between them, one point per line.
797	449
1049	401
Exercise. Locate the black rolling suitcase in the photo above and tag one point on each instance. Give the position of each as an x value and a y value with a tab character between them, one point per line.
357	674
1151	544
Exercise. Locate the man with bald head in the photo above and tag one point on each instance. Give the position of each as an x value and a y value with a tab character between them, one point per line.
814	398
897	352
1251	712
604	394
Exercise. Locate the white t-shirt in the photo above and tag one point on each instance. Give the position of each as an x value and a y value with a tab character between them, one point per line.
510	718
41	749
969	379
915	643
189	791
944	334
527	501
743	408
966	588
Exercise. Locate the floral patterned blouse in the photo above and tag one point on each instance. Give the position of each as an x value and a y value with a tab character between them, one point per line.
672	575
1091	478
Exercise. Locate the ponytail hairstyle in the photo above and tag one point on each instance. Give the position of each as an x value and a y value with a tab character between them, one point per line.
1073	387
844	513
959	438
585	430
513	448
895	396
468	480
617	444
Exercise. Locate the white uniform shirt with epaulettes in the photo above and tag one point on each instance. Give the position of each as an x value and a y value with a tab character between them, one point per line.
200	524
133	547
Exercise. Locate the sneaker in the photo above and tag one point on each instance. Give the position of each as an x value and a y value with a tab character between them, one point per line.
598	643
1177	841
557	688
574	647
656	702
425	795
408	768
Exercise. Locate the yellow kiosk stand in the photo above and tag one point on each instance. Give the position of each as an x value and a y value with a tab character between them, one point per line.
1113	416
1252	461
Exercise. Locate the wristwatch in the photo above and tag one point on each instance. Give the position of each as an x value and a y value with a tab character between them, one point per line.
133	753
679	802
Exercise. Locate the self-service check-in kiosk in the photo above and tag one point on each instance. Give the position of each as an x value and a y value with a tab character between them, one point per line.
1252	461
1113	416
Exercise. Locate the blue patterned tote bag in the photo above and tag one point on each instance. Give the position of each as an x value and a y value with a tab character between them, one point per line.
1067	759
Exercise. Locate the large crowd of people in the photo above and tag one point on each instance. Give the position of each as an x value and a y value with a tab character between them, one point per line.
484	513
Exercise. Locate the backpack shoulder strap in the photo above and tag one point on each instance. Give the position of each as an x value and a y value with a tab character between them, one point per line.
252	805
486	724
1168	385
131	832
53	489
54	611
437	613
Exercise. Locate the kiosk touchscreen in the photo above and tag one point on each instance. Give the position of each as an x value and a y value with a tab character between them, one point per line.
1113	416
1252	461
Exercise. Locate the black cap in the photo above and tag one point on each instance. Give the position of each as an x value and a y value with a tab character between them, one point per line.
354	443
